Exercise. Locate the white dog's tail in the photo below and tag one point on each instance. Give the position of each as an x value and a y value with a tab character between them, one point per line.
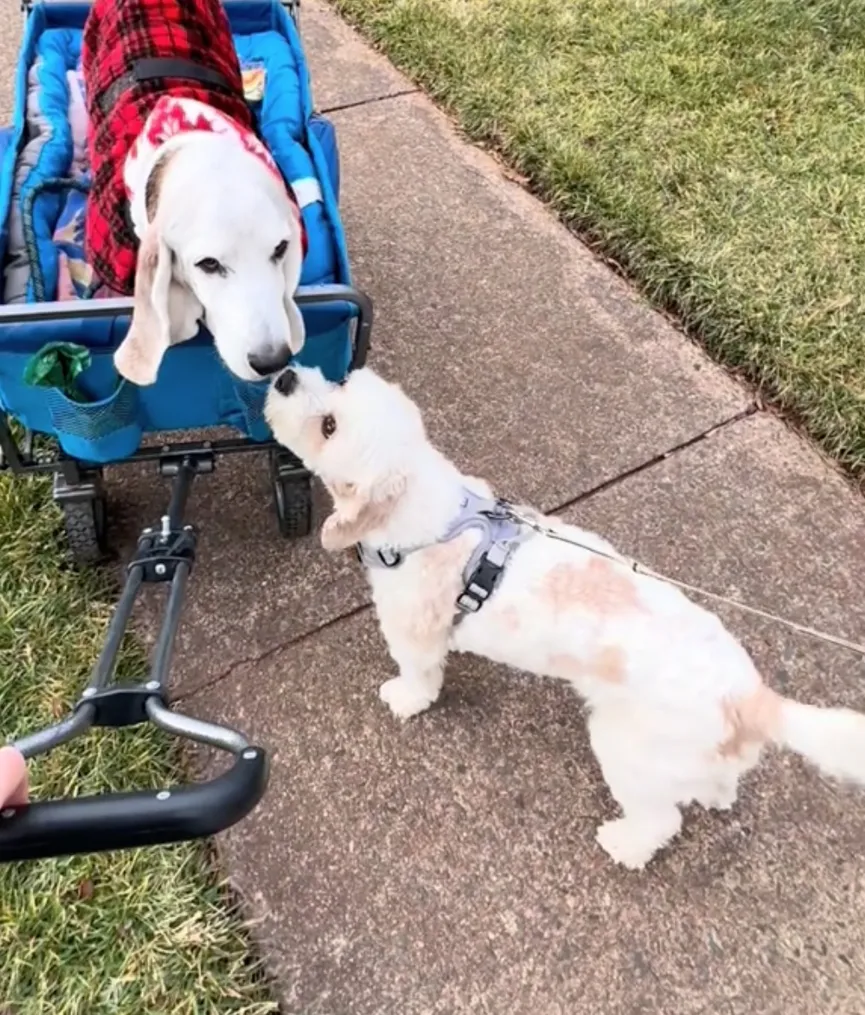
833	739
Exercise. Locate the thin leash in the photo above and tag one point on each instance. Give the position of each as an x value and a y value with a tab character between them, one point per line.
637	568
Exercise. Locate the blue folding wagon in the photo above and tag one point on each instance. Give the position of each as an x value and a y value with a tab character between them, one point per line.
43	430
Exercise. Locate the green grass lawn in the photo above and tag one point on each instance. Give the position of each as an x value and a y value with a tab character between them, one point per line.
713	148
149	932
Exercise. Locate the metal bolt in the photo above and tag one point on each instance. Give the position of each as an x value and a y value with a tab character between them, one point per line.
163	794
8	813
187	528
148	532
160	569
152	685
250	754
166	525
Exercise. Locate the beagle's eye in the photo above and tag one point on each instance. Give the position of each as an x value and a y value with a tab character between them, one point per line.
328	427
210	266
279	251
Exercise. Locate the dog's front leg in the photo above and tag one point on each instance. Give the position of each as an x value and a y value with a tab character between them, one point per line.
421	674
419	648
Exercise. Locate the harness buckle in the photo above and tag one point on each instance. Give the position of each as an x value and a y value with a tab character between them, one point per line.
482	583
499	511
387	558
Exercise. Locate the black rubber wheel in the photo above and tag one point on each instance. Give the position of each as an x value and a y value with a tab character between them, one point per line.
85	522
293	499
292	495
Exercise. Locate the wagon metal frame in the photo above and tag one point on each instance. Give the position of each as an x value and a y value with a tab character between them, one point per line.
165	555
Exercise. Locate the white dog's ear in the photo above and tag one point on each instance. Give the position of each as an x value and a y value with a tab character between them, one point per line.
292	264
357	512
163	311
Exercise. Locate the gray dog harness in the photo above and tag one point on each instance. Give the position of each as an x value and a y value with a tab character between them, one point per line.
501	534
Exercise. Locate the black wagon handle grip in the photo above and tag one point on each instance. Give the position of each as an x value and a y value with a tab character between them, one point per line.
126	820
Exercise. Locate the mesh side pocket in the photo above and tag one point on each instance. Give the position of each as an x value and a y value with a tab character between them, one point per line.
102	431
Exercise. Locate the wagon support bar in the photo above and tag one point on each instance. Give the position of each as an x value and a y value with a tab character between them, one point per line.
165	555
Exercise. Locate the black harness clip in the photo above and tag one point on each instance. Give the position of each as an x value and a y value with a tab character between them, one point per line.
481	585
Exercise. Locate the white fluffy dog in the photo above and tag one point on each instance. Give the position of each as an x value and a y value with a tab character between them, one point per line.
678	712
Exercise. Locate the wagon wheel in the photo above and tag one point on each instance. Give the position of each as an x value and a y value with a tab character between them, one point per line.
292	494
293	8
85	522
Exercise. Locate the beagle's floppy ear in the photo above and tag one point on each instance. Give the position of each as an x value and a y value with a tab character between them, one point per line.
139	354
163	310
292	264
357	512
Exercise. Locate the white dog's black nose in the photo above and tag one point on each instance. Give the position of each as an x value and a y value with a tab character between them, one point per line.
266	364
286	382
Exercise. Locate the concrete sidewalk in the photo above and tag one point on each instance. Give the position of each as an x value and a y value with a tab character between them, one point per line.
448	865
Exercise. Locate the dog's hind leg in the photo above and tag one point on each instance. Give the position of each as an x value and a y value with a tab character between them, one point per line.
642	784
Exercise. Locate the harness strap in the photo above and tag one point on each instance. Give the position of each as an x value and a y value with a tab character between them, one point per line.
489	567
501	534
153	68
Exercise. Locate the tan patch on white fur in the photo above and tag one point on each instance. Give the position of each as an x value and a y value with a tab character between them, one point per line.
749	721
600	587
510	619
608	665
355	516
153	186
340	532
441	570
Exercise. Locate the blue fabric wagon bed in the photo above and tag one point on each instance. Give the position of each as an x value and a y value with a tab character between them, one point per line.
38	193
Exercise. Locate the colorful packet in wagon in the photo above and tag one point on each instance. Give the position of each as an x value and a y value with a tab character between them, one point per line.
253	76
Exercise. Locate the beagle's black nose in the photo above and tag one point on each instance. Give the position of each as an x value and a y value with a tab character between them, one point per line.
286	382
266	364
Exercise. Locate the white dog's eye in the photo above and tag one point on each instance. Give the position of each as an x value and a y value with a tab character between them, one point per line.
210	266
328	426
279	251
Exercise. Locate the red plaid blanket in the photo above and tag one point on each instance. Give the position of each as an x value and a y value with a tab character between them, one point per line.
116	35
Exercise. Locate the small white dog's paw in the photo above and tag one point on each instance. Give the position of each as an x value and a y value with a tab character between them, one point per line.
621	839
332	535
404	697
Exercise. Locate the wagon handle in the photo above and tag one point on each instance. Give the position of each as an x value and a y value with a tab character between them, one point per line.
110	821
127	820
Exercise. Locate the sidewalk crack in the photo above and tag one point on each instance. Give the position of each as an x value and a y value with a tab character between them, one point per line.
267	653
650	463
372	100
